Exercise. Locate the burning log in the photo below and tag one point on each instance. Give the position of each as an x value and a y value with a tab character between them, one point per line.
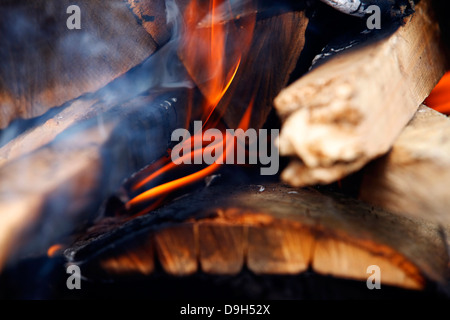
282	35
254	46
45	64
60	180
349	109
41	135
103	138
280	230
412	178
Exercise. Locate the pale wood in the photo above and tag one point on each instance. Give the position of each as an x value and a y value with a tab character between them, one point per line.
349	109
279	231
45	64
413	178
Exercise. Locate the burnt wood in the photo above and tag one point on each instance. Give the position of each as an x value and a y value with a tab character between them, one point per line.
224	229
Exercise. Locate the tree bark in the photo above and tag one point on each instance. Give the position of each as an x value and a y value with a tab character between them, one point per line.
281	230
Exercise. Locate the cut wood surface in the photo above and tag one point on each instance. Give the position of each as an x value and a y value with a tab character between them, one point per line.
44	64
413	178
278	231
349	109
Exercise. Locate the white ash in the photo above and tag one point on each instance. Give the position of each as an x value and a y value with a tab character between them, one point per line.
352	7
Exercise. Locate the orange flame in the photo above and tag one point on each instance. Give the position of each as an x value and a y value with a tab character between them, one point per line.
204	53
54	250
212	55
175	184
439	98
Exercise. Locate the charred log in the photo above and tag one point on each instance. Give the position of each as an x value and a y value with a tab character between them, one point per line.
281	230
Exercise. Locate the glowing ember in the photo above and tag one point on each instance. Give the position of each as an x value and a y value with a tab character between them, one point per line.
54	250
439	99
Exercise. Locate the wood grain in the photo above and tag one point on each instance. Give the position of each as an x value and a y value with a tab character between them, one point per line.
412	178
222	248
177	250
141	261
280	231
279	249
349	109
265	68
266	51
44	64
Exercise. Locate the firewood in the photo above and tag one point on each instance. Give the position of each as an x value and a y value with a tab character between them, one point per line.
45	133
261	75
413	177
272	37
152	15
45	64
349	109
181	261
100	122
61	179
279	36
279	231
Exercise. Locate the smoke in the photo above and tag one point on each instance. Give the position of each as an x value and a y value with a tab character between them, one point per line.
44	65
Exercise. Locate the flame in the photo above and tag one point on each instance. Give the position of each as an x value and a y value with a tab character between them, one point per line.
54	250
211	51
439	98
204	53
175	184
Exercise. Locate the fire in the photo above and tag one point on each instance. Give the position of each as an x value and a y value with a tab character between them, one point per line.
54	250
175	184
439	99
212	51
